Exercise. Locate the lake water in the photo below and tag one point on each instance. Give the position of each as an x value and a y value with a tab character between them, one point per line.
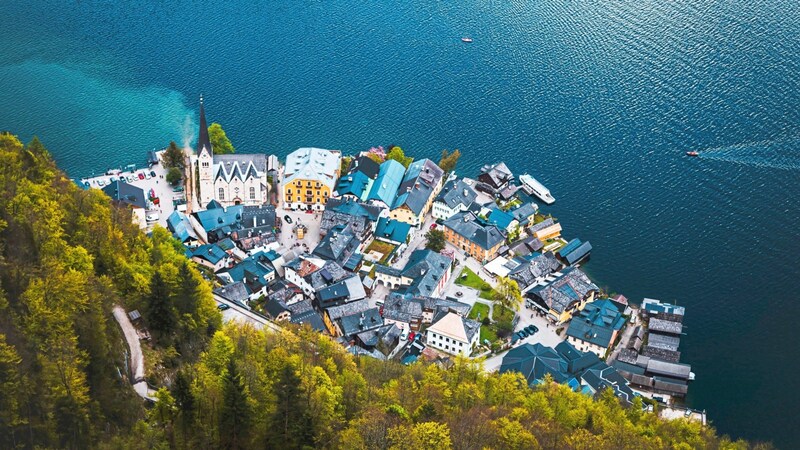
597	99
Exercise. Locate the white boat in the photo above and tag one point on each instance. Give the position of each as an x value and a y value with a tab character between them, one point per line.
534	187
466	39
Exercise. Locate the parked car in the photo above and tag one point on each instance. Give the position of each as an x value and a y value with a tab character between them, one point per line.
147	175
433	226
287	219
223	307
411	336
141	176
531	329
514	338
101	182
523	333
153	173
404	334
152	217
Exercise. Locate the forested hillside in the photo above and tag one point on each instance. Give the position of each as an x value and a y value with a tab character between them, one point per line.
67	256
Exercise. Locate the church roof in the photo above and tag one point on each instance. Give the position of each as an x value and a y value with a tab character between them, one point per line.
203	141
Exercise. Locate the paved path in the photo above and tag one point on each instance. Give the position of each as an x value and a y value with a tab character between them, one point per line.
137	358
236	313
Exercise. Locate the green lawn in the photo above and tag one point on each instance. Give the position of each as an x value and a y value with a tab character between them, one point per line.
501	313
481	309
474	281
488	333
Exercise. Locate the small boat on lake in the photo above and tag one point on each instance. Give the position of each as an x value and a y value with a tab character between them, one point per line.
692	153
466	39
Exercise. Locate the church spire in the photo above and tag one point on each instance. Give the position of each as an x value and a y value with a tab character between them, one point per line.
203	142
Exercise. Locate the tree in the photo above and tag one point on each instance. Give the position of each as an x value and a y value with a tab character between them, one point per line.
397	154
219	140
174	176
449	160
160	313
184	399
435	240
173	156
235	416
507	293
290	424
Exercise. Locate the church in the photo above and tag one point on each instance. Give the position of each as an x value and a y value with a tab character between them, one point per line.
230	179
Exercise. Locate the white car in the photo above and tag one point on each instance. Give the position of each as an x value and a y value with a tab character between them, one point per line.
147	175
404	334
152	217
101	182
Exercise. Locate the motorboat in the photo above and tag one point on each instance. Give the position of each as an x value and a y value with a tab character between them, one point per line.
466	39
692	153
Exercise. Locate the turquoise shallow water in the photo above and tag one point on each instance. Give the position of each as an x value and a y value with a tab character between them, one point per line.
598	100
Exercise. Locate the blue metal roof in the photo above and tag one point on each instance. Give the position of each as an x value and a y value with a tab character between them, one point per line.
571	245
393	230
214	218
500	219
389	178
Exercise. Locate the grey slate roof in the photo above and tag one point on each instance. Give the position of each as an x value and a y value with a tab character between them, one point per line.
523	212
571	287
495	176
421	179
331	272
457	192
538	267
126	193
235	292
665	326
401	309
340	242
358	323
662	341
360	216
662	354
541	225
366	166
534	361
274	308
337	312
426	268
466	224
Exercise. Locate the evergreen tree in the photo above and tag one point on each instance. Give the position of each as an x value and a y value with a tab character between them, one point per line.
160	313
290	425
184	399
174	176
235	416
186	292
434	240
173	157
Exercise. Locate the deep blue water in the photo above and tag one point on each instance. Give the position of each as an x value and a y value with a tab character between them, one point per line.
598	100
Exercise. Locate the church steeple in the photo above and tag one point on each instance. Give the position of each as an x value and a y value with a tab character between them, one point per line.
203	142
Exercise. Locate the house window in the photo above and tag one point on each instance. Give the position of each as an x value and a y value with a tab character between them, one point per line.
221	194
289	191
252	193
205	164
308	192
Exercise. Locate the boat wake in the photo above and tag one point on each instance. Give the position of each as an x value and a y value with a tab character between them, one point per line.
777	154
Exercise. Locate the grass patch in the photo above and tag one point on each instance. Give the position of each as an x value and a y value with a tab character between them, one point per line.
384	248
474	281
488	333
500	313
481	309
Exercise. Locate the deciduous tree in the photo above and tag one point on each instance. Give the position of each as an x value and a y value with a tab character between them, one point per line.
434	240
219	140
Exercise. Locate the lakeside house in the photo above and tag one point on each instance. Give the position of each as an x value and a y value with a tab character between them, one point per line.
310	177
565	364
384	189
356	184
420	185
574	252
563	293
596	327
457	195
131	196
497	180
477	238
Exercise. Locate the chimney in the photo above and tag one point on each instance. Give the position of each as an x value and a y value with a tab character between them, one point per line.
465	192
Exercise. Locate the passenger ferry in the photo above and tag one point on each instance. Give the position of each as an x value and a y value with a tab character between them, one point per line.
534	187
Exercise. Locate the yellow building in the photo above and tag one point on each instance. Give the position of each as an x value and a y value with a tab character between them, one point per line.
310	177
